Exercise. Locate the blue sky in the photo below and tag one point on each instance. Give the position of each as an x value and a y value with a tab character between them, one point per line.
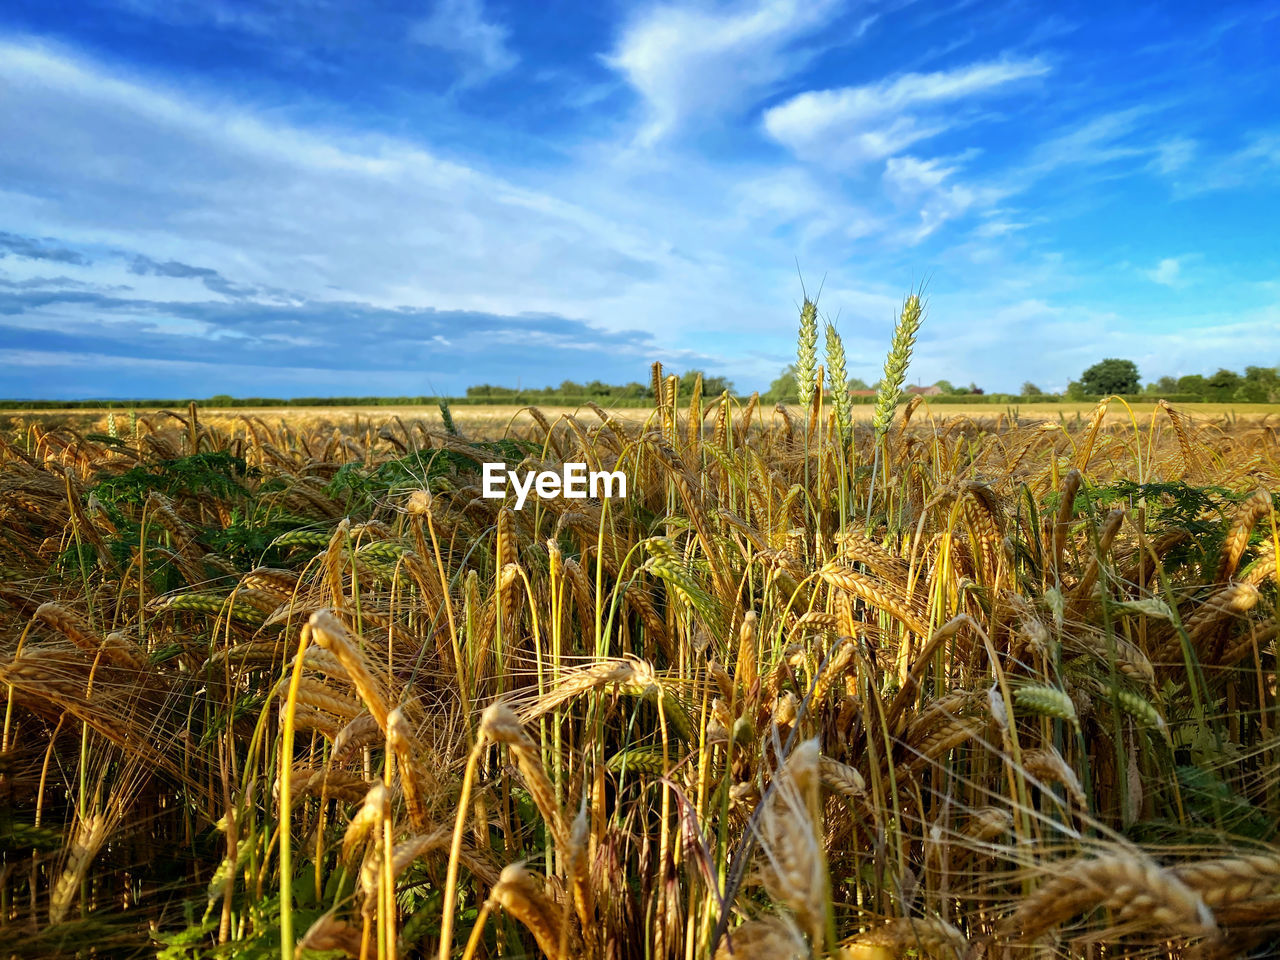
325	197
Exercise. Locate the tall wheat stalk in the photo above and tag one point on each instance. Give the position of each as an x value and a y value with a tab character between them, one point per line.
889	391
807	351
838	379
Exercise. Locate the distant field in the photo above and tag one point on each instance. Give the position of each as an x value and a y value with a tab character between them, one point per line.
491	419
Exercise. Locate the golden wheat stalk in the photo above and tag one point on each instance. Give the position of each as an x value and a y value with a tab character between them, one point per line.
1048	766
415	780
368	818
1135	889
499	724
89	835
794	870
931	937
770	938
1231	880
330	934
875	593
1247	516
333	636
519	893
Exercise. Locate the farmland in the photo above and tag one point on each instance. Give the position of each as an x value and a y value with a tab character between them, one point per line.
960	684
494	419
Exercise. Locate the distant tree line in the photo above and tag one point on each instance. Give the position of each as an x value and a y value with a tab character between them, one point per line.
1115	376
568	393
1105	378
786	390
598	390
1108	377
1256	385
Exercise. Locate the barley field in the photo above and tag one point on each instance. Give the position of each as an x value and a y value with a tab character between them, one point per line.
925	685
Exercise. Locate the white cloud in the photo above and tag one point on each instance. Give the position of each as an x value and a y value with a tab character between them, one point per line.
1173	155
1097	141
997	226
126	164
1255	163
928	186
818	217
913	175
784	195
110	162
852	126
459	27
1168	272
690	63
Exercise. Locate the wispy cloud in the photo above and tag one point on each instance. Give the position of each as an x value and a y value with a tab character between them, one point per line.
212	279
379	218
331	217
1168	272
32	249
1173	155
191	346
1256	165
1099	140
460	27
931	186
61	283
852	126
695	64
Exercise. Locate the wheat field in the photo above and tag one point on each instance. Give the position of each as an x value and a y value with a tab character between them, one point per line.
495	419
935	686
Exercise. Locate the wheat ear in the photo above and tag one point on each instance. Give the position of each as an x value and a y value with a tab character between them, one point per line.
896	363
1134	889
807	351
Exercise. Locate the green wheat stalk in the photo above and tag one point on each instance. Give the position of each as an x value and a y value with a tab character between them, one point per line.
895	375
446	417
807	351
838	379
896	363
